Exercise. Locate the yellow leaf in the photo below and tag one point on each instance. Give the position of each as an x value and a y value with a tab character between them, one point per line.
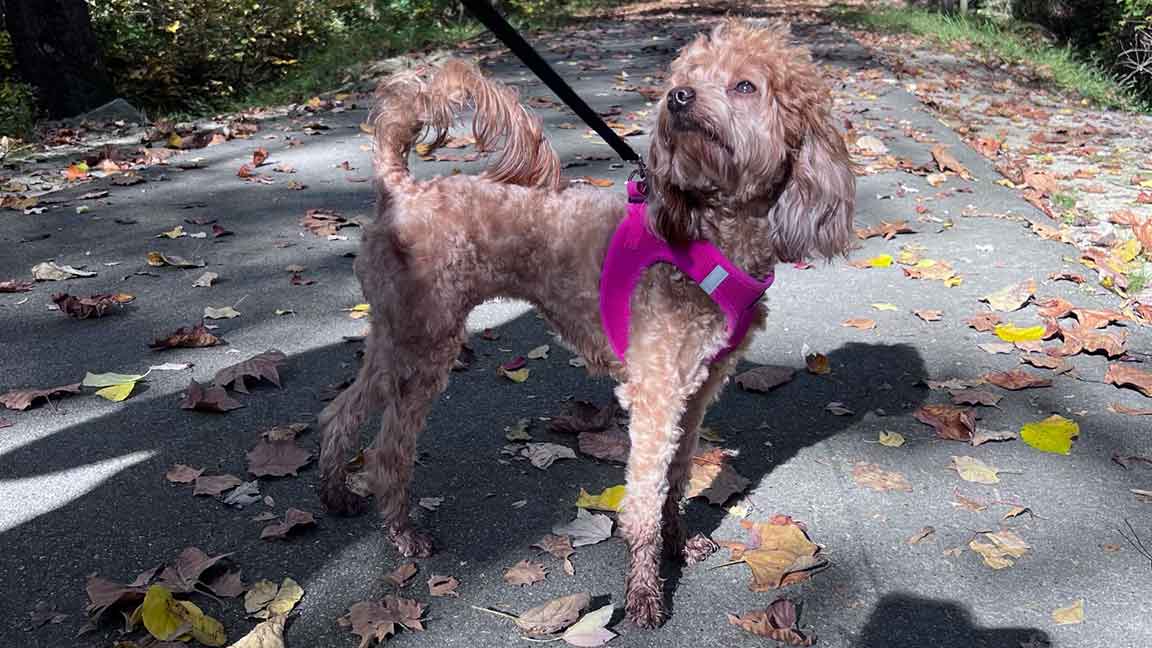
973	470
287	597
1072	614
1005	182
516	376
953	281
175	141
891	439
1053	434
172	28
361	308
886	307
608	500
1128	250
117	393
174	233
1147	184
166	619
157	616
882	261
1013	333
155	259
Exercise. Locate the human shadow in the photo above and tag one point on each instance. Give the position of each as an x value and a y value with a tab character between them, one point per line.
902	620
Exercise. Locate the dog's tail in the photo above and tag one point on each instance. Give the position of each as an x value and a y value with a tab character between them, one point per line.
408	105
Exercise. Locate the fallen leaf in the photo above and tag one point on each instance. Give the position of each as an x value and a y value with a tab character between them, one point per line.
443	586
1011	298
167	619
259	156
586	529
277	458
157	259
886	229
208	398
950	422
400	576
608	500
981	437
973	470
817	364
187	337
886	307
90	307
1045	361
713	479
244	495
378	620
948	162
1016	379
430	503
891	439
872	476
591	630
1054	308
921	535
262	366
50	271
995	348
1002	550
15	286
777	622
1013	333
1096	319
1054	434
928	315
1119	408
1121	375
182	474
1071	614
22	399
1016	511
554	616
539	353
559	546
515	375
860	324
325	222
214	485
266	634
778	553
838	409
543	455
266	599
984	322
206	280
764	379
186	571
292	519
612	444
525	572
222	312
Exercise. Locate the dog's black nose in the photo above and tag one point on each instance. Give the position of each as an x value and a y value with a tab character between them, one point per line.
680	98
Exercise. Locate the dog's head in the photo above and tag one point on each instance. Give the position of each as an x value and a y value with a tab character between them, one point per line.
745	125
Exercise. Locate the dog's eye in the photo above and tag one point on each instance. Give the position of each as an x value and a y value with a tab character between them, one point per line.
745	87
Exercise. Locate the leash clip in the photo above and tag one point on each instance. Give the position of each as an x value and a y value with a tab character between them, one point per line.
639	176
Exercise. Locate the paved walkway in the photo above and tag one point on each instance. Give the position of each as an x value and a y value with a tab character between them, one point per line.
82	481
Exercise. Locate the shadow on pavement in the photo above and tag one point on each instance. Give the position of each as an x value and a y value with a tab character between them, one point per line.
905	621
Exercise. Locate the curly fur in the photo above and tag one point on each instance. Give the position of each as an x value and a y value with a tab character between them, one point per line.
762	175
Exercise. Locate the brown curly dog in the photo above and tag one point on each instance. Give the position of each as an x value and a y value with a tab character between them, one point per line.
743	155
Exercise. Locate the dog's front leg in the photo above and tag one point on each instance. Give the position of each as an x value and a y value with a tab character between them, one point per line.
656	393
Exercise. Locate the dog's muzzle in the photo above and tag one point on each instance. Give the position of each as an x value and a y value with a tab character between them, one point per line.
681	98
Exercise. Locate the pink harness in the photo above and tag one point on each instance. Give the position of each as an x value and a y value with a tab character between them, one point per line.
634	249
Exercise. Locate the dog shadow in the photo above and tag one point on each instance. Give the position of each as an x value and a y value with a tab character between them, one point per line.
901	620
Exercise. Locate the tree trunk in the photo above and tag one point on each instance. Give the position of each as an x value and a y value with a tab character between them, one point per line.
56	51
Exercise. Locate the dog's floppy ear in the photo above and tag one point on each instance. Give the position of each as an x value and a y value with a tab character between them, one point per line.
671	215
813	216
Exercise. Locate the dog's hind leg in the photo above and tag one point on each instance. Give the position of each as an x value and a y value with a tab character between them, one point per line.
422	374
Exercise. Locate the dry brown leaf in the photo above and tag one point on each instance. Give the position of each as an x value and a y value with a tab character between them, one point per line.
1119	408
1016	379
214	485
187	337
984	322
612	444
948	162
980	437
777	622
262	366
277	458
22	399
859	323
90	307
950	422
15	286
1041	181
1045	361
181	474
439	585
872	476
713	479
325	222
765	379
1123	375
928	315
778	553
292	519
1011	298
1002	550
553	616
525	572
559	546
378	620
886	229
1096	319
1071	614
1054	308
400	576
208	398
188	569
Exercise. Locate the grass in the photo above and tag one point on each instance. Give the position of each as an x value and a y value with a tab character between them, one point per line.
1011	41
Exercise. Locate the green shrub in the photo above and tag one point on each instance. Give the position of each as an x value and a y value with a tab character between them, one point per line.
17	100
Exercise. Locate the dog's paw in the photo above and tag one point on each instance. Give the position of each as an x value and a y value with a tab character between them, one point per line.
698	548
645	608
338	500
413	543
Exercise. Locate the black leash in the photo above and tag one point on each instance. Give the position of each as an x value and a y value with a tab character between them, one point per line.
487	14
